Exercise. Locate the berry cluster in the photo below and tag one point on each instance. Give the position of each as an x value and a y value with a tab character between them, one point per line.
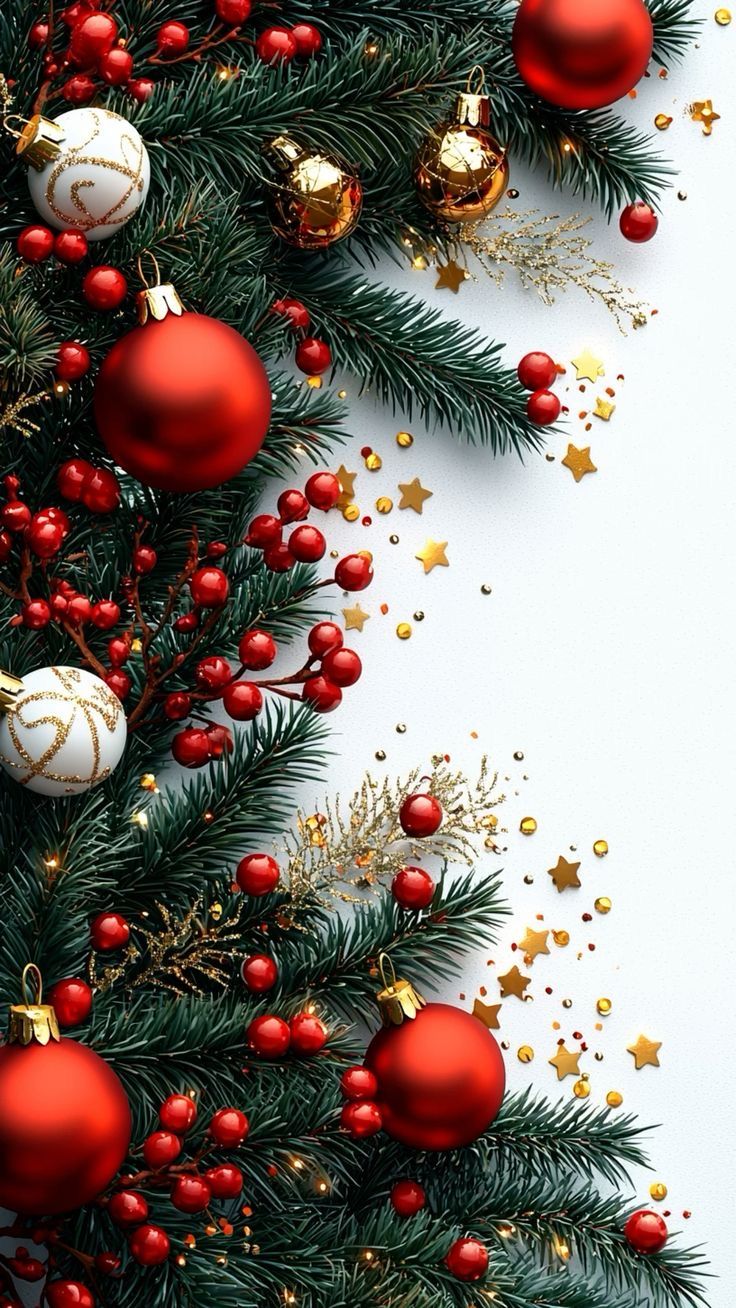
103	287
37	243
94	53
537	372
279	45
306	543
313	356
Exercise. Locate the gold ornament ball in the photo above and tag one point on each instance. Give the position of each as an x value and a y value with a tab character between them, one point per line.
315	200
462	171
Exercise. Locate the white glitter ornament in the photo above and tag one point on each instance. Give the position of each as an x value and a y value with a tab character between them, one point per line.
89	170
62	730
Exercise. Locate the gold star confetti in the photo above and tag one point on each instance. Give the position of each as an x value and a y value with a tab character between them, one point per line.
603	409
564	875
413	495
513	983
534	942
433	555
587	367
450	276
355	618
578	461
702	111
347	484
487	1014
645	1052
565	1063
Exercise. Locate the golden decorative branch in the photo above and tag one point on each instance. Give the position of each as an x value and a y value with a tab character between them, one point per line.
184	955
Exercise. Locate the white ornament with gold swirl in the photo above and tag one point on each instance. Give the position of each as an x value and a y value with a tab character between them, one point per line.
63	732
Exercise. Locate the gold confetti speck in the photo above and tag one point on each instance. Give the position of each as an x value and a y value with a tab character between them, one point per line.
600	848
400	728
722	17
658	1191
404	439
614	1099
351	513
485	589
604	1006
581	1089
384	504
525	1054
394	540
419	616
603	904
662	122
403	631
682	195
518	756
604	409
373	462
567	1003
528	826
380	754
561	938
342	395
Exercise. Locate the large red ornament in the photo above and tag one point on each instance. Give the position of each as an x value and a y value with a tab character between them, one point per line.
646	1231
182	401
579	55
638	222
64	1116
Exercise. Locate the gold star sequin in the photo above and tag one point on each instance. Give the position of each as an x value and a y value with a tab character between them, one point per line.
513	983
603	409
487	1014
433	555
355	618
645	1052
587	367
578	461
702	111
534	942
450	276
347	484
564	875
565	1063
413	495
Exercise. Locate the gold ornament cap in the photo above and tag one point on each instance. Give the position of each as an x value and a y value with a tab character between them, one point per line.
472	110
32	1021
158	300
398	1000
10	689
283	152
38	141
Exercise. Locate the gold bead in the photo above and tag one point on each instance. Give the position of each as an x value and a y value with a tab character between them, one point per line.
404	439
658	1191
604	1007
600	848
373	462
351	512
384	504
403	631
419	616
525	1054
723	17
603	905
380	754
528	826
614	1099
581	1089
485	589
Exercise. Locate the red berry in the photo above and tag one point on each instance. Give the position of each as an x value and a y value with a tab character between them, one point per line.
225	1181
293	506
220	740
6	545
209	587
78	611
276	45
150	1245
215	549
537	371
39	34
308	1033
107	1263
116	66
258	874
190	1194
36	614
35	243
269	1036
313	356
44	537
213	673
263	531
354	572
191	748
178	1113
420	815
408	1198
71	475
161	1148
543	407
308	40
307	544
52	514
278	558
91	38
358	1083
323	490
105	614
187	622
109	931
118	650
177	705
119	683
128	1208
638	222
232	12
71	1000
104	287
361	1118
257	650
72	362
296	312
145	559
323	695
324	637
467	1260
412	887
229	1127
79	89
172	37
243	700
59	606
141	89
101	491
260	973
646	1231
70	246
15	515
342	666
68	1294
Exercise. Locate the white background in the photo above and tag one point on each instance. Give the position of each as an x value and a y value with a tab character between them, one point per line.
605	653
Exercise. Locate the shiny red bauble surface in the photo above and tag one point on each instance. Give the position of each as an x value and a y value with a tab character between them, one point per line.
71	475
308	1033
412	887
101	491
150	1245
141	89
104	288
264	530
278	558
307	544
225	1180
276	45
440	1077
342	666
537	370
258	874
36	614
109	931
119	683
638	222
259	973
358	1083
178	1113
38	34
579	55
190	1194
408	1198
161	1148
105	614
354	572
145	559
70	246
15	515
420	815
646	1231
257	650
322	694
308	40
68	1294
233	12
128	1208
229	1127
79	89
362	1118
323	490
44	537
71	1000
91	38
191	747
35	243
177	705
323	637
183	404
213	673
116	66
313	356
72	361
209	587
172	37
269	1036
242	700
543	407
292	506
467	1260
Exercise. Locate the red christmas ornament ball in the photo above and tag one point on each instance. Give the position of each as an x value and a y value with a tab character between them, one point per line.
190	1194
537	370
440	1078
638	222
322	694
91	38
105	288
258	874
44	537
128	1208
225	1180
72	362
278	558
358	1083
342	666
292	506
183	403
242	700
71	1000
408	1198
420	815
308	40
579	55
172	37
308	1033
362	1118
259	973
109	931
257	650
178	1113
15	515
233	12
145	559
161	1148
150	1245
323	490
70	246
229	1127
412	887
354	572
116	66
467	1260
35	243
105	614
191	747
68	1294
324	637
119	683
307	544
276	45
209	587
269	1036
101	491
313	356
646	1231
543	407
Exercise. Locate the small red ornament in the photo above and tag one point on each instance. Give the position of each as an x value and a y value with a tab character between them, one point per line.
68	1294
323	695
150	1245
265	530
276	45
308	1033
354	572
35	243
242	700
229	1127
537	371
116	66
638	222
109	931
582	56
324	638
292	506
307	544
213	673
268	1036
160	1149
257	650
233	12
358	1083
118	650
75	11
420	815
104	287
78	610
105	614
342	666
260	973
225	1181
361	1118
278	558
38	35
646	1231
258	874
119	683
412	887
178	1113
190	1194
172	37
101	491
191	748
72	362
296	312
323	490
313	356
467	1260
145	559
209	587
15	515
79	89
91	38
36	614
70	246
543	407
177	705
141	89
128	1208
408	1198
308	40
71	1000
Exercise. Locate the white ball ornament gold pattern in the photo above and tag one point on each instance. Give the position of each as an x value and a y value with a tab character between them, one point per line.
89	170
64	732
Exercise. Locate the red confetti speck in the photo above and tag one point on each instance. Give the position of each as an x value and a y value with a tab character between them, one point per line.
366	521
548	990
577	1035
483	990
591	948
587	917
384	609
514	948
686	1213
366	450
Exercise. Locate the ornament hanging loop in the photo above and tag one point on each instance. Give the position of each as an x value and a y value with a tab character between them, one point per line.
157	299
156	269
31	1021
31	970
476	73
